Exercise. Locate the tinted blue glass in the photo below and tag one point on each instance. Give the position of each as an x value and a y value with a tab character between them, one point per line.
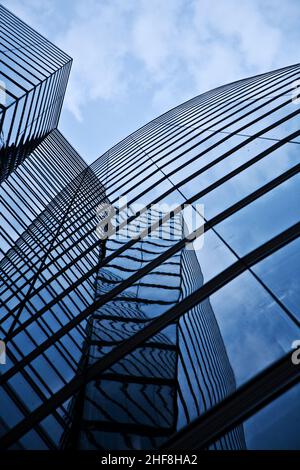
277	426
265	218
281	273
255	330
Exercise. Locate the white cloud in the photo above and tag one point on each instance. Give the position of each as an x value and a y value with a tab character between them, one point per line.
174	49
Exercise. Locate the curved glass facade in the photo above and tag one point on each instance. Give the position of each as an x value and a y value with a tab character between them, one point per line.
149	300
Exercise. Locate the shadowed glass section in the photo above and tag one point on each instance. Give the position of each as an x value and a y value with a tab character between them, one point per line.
276	426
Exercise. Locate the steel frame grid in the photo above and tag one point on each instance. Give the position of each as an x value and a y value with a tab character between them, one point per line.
283	239
257	135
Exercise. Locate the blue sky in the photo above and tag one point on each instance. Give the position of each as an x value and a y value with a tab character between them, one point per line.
134	59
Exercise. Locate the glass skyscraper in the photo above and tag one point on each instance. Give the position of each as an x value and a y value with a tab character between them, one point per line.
33	80
148	300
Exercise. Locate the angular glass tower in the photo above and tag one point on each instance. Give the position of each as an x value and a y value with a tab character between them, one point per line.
150	300
33	79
